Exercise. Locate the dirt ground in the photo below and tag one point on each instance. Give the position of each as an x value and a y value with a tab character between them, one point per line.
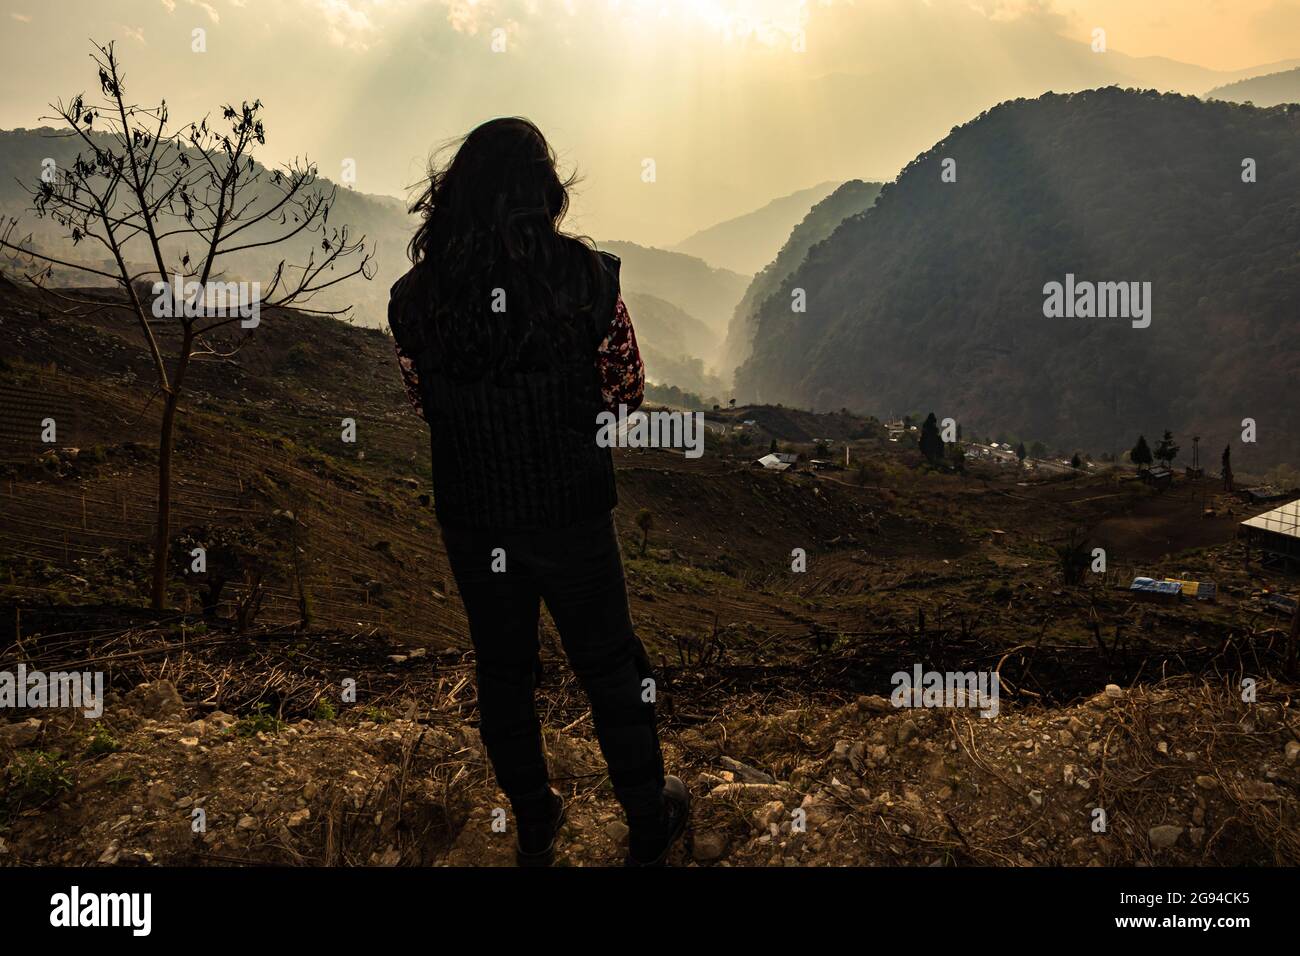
1168	774
776	607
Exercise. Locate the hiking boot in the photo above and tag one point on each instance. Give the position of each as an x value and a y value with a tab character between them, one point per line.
537	833
650	845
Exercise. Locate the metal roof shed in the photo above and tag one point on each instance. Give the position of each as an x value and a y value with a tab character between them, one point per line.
1276	533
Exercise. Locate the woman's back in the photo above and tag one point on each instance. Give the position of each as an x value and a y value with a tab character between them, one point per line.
512	413
512	337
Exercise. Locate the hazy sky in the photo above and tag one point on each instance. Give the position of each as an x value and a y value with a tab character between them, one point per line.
731	101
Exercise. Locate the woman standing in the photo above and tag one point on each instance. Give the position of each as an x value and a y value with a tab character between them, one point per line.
512	337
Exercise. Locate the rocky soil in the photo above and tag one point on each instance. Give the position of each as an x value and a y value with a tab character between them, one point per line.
1186	773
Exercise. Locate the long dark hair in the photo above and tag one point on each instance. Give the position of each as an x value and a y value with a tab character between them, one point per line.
491	220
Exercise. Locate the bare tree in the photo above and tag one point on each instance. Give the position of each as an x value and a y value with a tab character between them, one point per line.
188	200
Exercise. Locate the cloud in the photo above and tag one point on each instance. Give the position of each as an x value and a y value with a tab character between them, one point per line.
209	9
348	22
134	33
21	17
762	22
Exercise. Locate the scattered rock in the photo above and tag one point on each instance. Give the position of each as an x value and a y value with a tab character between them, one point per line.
709	846
770	790
286	785
1164	836
855	757
160	794
768	814
1260	790
20	734
746	773
220	720
156	699
616	830
874	704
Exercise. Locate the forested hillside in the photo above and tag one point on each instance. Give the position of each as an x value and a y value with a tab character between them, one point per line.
849	199
691	284
747	243
1270	90
935	297
672	343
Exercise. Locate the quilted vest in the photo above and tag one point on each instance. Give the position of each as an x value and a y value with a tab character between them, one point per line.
518	450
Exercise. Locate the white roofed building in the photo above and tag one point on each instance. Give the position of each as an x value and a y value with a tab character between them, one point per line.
1275	533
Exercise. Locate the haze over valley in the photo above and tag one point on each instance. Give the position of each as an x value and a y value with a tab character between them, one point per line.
969	331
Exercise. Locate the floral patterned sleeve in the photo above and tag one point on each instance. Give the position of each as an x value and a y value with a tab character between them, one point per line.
618	360
410	379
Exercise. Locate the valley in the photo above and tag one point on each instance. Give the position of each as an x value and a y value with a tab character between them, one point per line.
326	566
931	568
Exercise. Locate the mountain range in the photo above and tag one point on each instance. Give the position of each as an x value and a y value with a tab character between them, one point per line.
935	297
748	243
681	303
927	294
1271	89
381	219
849	199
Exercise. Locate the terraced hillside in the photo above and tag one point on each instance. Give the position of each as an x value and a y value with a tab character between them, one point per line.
761	665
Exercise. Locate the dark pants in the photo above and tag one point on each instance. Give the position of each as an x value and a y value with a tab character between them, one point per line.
578	572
